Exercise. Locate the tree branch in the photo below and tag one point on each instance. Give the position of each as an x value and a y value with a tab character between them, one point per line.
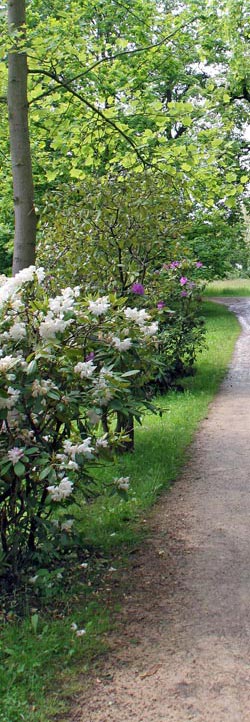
141	49
59	80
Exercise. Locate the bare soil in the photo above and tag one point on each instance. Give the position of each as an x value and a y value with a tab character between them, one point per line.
182	649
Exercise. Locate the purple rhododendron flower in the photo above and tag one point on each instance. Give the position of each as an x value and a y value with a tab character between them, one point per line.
175	264
199	264
184	294
161	304
90	356
183	280
138	288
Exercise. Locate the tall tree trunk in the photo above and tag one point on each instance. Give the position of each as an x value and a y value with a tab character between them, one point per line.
25	217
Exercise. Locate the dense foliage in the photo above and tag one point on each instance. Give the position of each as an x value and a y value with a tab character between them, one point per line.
71	366
121	89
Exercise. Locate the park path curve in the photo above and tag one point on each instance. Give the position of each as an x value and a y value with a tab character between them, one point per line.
183	648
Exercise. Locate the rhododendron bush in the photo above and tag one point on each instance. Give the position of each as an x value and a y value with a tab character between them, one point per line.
179	286
67	367
174	290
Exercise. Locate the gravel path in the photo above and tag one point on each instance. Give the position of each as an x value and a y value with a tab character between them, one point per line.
183	648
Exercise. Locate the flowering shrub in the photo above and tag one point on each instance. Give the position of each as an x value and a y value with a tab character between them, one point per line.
181	327
174	291
67	365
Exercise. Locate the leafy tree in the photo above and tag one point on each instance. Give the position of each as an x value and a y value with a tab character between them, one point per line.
131	87
25	218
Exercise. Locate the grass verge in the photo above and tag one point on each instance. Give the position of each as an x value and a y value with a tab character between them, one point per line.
41	654
233	287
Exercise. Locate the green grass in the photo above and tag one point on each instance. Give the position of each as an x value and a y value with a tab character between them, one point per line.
41	658
229	287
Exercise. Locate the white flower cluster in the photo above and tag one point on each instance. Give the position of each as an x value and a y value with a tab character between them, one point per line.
60	492
85	369
121	345
67	459
100	306
54	322
8	362
102	442
67	524
17	331
15	454
9	402
79	632
102	392
140	316
12	285
64	302
123	483
51	326
150	330
41	388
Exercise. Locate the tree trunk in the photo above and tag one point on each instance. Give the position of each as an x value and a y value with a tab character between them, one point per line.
25	217
125	424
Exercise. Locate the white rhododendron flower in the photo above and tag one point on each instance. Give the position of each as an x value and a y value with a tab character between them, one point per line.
15	454
25	275
51	326
41	388
67	525
64	302
9	402
40	274
17	331
122	483
121	345
99	306
83	448
102	442
85	369
150	330
139	316
60	492
12	285
72	465
8	362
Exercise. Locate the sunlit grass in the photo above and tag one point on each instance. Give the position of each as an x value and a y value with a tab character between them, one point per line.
229	287
41	660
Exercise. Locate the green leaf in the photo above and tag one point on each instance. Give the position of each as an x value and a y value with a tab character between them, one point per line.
32	367
19	469
45	472
34	622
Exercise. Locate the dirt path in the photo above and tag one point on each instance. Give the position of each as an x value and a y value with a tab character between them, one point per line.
183	652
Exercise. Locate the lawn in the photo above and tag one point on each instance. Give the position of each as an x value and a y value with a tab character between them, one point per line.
41	656
234	287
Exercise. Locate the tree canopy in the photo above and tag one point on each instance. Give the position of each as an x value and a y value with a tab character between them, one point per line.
121	89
